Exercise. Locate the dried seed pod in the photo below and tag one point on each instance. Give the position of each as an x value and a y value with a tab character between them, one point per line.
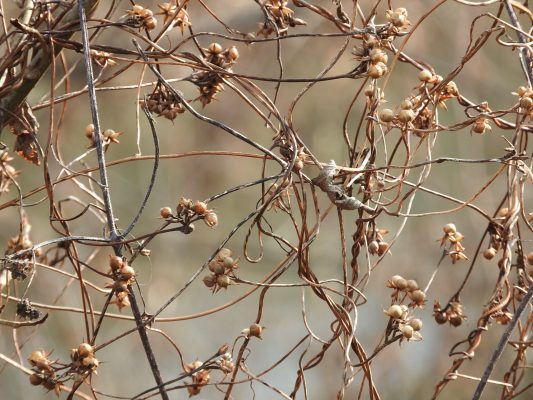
233	53
150	23
165	212
412	285
456	320
526	103
375	71
489	253
85	350
416	324
115	263
386	115
213	265
425	75
223	281
417	296
369	91
228	262
215	48
373	247
218	269
406	105
407	331
441	318
449	229
89	131
383	248
223	253
255	330
126	273
39	359
377	55
36	379
395	311
199	207
210	280
210	219
90	362
406	116
398	282
530	258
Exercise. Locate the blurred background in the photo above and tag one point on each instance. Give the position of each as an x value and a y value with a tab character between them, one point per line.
406	371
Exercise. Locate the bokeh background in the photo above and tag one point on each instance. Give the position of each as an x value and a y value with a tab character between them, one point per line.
406	371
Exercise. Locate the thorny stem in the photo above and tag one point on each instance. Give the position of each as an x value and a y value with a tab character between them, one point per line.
107	198
502	343
96	122
524	53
